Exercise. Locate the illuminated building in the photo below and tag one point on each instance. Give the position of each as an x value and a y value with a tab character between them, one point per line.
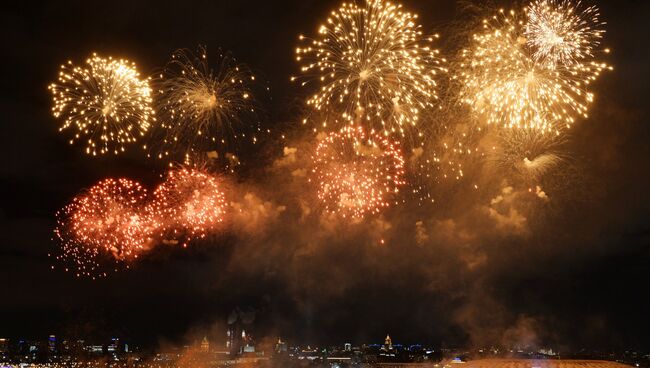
114	346
280	346
95	349
233	344
240	340
205	345
51	344
387	352
388	343
247	341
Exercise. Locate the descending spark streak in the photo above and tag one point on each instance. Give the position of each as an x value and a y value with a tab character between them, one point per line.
357	174
374	66
106	101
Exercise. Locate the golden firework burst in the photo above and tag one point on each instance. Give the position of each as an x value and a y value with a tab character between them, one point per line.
505	85
374	66
107	102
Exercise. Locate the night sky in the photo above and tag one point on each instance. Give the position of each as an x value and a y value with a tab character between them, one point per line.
572	275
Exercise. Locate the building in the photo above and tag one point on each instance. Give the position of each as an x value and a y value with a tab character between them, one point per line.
234	342
388	343
247	342
280	346
51	344
205	345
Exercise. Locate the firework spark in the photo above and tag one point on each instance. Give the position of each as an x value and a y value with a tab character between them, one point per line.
504	84
201	108
108	222
560	33
527	154
374	64
189	204
357	173
106	101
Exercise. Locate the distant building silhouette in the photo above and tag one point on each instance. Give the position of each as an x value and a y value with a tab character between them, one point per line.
205	345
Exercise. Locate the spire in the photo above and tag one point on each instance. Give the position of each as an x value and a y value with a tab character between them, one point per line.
388	343
205	344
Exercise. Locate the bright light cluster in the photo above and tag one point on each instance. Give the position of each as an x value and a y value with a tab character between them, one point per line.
374	66
508	81
106	101
559	32
357	173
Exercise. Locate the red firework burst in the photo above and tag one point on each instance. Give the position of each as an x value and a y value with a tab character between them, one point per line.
357	173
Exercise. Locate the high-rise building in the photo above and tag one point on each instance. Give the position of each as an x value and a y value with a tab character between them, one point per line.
347	346
4	345
233	344
51	344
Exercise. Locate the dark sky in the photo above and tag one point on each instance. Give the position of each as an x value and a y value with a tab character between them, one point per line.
576	276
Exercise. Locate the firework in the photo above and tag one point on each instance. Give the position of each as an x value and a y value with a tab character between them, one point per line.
201	109
560	33
373	64
106	101
451	152
189	204
106	223
527	154
504	84
357	173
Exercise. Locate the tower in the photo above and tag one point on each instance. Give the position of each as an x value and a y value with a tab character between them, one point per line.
205	345
51	344
388	343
